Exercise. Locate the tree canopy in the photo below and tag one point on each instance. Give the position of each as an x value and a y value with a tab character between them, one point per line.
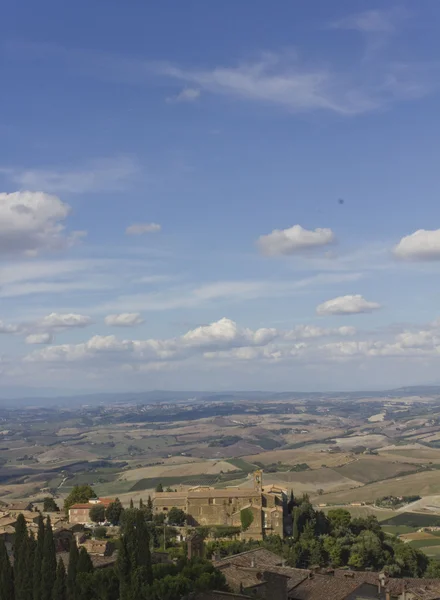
79	494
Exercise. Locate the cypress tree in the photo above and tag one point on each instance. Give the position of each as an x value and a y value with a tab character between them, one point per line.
38	559
20	554
6	580
143	554
84	564
295	531
141	504
49	563
131	503
72	570
28	557
150	504
123	569
59	589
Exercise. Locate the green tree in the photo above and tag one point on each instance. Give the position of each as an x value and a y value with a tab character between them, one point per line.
159	487
295	530
84	564
339	518
100	533
131	503
49	563
141	504
59	589
49	505
97	513
432	571
38	560
79	494
23	553
114	512
246	518
6	579
72	570
176	516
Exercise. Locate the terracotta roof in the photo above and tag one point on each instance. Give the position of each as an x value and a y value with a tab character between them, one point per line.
425	589
295	575
99	562
318	587
242	576
89	506
259	557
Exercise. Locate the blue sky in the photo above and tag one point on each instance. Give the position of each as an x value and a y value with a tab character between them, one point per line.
228	196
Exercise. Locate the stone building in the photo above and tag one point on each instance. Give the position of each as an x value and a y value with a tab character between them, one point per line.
210	506
80	513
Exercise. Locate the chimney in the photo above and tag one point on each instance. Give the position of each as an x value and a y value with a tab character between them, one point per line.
253	562
310	575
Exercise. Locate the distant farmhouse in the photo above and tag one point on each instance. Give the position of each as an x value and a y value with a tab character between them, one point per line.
210	506
80	513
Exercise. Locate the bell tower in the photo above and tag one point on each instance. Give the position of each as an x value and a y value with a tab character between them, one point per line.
258	481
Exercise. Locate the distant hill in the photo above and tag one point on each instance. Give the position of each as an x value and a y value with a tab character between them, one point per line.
22	397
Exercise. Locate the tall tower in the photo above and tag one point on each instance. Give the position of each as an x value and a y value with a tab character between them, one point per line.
258	481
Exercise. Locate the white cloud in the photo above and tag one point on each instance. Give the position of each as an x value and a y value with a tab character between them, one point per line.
282	80
7	328
39	338
420	245
186	95
31	222
102	175
293	240
347	305
124	320
141	228
64	321
373	21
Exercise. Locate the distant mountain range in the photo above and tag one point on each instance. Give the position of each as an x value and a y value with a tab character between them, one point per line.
20	397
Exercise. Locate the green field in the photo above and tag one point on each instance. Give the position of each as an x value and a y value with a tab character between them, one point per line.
367	470
398	529
415	520
242	464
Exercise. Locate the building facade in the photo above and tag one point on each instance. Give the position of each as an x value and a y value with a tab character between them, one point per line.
210	506
80	513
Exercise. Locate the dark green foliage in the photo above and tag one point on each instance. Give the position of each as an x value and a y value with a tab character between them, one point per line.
38	560
49	563
79	494
6	580
246	518
100	533
131	503
159	487
114	512
49	505
59	589
176	516
97	513
23	561
72	570
84	564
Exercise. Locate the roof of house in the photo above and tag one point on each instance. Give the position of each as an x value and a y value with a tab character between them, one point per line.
95	546
425	589
242	576
7	520
99	562
84	505
317	587
20	505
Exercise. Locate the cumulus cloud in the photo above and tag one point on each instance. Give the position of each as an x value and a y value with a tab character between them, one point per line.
186	95
347	305
294	240
141	228
63	321
124	320
421	245
31	222
39	338
7	328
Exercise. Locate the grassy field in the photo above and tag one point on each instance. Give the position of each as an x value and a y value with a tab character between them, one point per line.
415	520
398	529
425	483
373	468
363	511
